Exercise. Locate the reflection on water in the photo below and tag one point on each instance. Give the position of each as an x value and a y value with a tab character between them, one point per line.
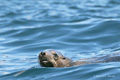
79	29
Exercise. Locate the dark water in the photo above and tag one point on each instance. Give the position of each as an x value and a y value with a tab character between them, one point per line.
77	28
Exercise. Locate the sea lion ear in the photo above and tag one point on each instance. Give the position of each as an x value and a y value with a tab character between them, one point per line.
64	58
61	55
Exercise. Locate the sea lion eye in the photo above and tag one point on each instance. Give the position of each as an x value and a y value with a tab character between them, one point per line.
55	56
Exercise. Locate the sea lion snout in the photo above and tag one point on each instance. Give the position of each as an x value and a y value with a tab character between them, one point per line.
43	56
42	53
44	59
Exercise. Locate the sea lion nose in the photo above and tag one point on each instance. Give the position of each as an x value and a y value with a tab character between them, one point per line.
42	53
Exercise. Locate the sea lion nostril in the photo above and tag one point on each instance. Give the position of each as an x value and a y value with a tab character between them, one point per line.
42	53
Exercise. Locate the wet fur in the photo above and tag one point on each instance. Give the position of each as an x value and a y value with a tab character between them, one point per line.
66	62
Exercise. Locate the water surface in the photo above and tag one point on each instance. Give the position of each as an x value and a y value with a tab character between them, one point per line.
79	29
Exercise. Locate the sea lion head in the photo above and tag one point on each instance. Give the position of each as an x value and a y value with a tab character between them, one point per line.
53	58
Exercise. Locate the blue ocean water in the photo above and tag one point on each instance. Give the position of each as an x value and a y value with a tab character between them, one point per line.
77	28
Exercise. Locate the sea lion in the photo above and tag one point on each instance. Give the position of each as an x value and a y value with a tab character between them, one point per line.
53	58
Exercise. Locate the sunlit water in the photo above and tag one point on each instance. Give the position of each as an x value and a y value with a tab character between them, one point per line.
77	28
